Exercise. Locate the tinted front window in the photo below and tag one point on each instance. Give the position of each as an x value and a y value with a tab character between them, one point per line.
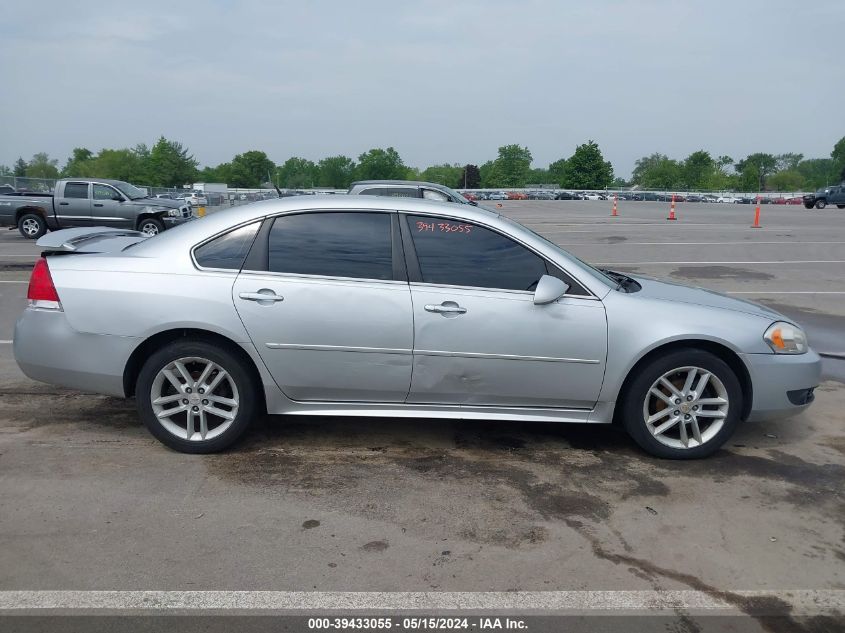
227	251
332	244
76	190
461	254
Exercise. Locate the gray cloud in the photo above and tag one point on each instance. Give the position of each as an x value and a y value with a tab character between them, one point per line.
440	81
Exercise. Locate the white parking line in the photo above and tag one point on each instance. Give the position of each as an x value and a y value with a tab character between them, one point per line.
701	263
626	243
784	292
5	342
800	601
13	281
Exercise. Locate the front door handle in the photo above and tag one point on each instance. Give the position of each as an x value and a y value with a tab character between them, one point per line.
263	295
98	204
447	307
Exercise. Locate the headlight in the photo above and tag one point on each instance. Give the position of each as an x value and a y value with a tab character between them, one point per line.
175	213
786	338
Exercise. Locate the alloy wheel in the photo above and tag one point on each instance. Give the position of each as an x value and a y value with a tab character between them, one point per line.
149	229
194	398
30	226
686	407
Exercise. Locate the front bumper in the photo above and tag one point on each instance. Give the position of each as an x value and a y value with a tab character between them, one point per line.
49	350
773	376
170	221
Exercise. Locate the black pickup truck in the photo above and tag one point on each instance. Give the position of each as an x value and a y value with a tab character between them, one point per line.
90	202
825	196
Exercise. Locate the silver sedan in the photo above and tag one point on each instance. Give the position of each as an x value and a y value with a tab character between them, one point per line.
366	306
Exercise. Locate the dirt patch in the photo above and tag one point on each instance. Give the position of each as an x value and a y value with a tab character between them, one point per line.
719	272
375	546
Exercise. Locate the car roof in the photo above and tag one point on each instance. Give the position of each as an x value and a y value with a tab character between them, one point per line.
408	183
220	221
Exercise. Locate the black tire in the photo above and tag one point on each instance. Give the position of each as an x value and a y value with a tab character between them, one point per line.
808	206
821	204
840	206
32	226
247	392
151	226
633	400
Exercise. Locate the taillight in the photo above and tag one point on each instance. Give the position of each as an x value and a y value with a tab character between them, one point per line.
42	293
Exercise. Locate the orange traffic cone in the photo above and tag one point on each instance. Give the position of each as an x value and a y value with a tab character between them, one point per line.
614	214
672	209
756	224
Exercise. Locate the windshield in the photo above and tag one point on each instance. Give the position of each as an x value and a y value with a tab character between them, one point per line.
595	272
130	191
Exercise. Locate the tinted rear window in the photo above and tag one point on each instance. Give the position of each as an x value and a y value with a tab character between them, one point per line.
76	190
227	251
332	244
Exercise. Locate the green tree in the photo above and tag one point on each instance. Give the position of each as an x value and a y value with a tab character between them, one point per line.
170	164
512	167
336	171
786	180
381	164
42	166
657	171
539	176
698	170
838	156
757	166
5	170
249	169
79	163
19	168
486	173
120	164
449	175
470	177
296	173
556	171
817	172
587	169
788	161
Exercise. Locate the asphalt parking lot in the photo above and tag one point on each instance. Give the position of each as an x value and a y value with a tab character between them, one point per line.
89	500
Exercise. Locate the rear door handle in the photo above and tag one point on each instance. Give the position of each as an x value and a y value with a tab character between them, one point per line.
447	307
98	204
64	204
263	295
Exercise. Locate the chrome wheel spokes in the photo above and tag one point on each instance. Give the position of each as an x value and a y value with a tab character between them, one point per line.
686	407
194	398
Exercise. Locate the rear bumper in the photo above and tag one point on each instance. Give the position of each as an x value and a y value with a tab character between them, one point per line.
774	376
49	350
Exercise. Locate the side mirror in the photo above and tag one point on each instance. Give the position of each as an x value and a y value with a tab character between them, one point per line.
549	289
117	198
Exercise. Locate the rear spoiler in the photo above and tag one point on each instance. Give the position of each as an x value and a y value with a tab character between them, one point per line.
96	239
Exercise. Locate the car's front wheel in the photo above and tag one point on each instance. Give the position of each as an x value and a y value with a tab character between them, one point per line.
683	405
151	226
196	397
821	204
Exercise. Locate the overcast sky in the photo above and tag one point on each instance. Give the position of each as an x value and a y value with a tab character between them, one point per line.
439	81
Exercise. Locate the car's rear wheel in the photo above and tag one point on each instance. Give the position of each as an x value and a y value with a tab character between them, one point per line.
151	226
196	397
820	204
840	206
32	226
683	405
